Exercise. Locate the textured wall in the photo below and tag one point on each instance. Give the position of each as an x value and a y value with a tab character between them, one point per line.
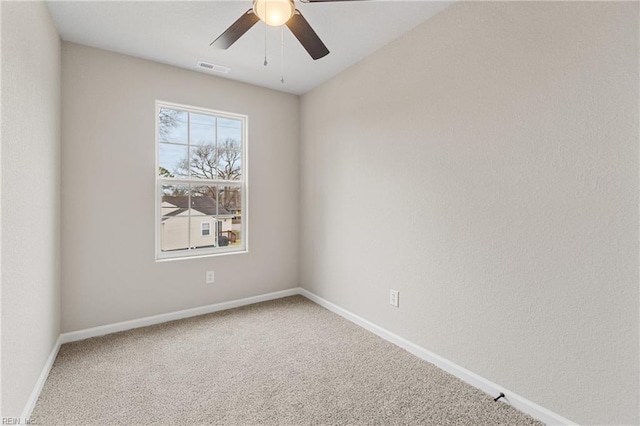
30	197
108	190
486	166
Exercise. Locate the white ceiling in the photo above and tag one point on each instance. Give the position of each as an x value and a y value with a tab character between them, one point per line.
179	32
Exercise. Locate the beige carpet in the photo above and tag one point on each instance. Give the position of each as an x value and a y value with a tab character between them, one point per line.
284	362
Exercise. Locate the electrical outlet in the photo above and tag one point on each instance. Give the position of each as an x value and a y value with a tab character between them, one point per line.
210	277
394	298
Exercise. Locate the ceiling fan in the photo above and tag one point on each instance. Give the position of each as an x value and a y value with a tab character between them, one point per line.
276	13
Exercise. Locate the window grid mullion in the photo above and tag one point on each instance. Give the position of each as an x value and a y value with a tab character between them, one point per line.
170	181
189	185
216	147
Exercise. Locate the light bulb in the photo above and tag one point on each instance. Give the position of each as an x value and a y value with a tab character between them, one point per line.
274	12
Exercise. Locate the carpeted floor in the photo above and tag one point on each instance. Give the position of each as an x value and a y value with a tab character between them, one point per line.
284	362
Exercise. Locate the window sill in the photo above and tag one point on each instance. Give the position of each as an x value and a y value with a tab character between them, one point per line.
200	256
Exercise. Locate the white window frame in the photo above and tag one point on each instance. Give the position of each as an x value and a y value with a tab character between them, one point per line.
190	253
202	224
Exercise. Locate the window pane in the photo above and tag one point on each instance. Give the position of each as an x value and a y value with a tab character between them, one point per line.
174	226
174	233
226	234
230	200
175	200
202	129
230	125
229	149
172	160
203	162
172	126
198	240
236	231
225	134
229	211
203	201
208	120
229	159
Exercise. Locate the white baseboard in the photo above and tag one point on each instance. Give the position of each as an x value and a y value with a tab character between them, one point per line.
517	401
172	316
35	393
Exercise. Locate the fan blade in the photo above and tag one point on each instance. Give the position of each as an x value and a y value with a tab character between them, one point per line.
306	36
236	30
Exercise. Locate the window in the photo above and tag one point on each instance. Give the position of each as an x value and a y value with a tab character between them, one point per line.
201	178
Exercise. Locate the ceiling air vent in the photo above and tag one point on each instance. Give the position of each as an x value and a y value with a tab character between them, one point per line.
213	67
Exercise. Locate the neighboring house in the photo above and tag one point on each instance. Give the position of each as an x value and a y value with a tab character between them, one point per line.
202	228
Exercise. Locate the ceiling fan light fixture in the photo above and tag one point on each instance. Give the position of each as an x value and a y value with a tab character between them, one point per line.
274	12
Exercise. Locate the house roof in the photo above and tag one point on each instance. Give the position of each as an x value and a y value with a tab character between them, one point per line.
202	204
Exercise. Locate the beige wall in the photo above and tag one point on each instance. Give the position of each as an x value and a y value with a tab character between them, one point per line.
30	197
108	181
505	135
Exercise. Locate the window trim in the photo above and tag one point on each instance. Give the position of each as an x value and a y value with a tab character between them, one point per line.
202	234
161	256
